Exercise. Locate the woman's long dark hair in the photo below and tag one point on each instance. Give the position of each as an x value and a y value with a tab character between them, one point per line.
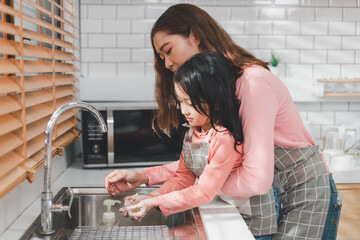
183	19
208	79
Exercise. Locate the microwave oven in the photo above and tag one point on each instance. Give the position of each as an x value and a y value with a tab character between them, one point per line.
130	140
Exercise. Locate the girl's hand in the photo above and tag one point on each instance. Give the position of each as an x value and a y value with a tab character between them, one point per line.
139	210
123	180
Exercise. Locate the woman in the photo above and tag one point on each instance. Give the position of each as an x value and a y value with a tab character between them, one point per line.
277	148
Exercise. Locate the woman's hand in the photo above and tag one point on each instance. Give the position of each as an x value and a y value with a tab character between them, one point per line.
123	180
139	210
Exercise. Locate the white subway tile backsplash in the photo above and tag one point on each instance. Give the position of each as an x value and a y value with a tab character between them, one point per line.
91	54
313	56
131	40
233	27
328	14
272	42
299	42
287	2
116	55
149	70
354	106
357	60
101	11
131	69
83	40
288	56
102	69
286	27
341	56
116	26
218	13
258	27
342	28
327	42
351	42
346	118
335	106
358	26
130	12
154	12
350	70
343	3
244	13
272	13
102	40
258	2
142	55
90	26
315	3
84	69
314	28
299	71
321	117
116	1
264	55
230	2
247	41
351	14
142	26
301	14
326	70
83	11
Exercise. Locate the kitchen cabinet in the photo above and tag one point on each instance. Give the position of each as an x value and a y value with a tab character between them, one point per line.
349	226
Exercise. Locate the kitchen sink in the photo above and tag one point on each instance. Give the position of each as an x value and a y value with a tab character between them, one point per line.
87	210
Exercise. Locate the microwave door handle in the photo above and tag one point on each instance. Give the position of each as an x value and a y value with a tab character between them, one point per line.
110	137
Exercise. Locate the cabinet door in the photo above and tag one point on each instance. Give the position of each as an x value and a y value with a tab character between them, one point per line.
349	225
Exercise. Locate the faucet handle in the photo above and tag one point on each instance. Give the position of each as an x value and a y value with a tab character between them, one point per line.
71	200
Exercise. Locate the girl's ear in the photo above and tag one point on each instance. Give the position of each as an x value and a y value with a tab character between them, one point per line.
194	38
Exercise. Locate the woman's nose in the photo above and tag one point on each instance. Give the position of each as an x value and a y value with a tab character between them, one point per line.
168	63
184	111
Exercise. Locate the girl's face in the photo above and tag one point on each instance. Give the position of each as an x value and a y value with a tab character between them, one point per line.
194	118
175	49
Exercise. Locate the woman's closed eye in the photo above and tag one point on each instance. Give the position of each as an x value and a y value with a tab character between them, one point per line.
169	51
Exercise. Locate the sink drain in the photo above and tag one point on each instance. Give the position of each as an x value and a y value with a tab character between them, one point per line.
159	232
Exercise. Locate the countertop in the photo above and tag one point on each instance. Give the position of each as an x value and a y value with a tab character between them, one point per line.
220	220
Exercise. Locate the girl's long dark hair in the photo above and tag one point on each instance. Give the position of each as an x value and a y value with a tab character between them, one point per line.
183	19
208	79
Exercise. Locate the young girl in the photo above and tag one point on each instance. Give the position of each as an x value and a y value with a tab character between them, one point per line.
205	91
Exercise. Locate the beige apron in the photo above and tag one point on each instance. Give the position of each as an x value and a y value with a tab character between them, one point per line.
258	212
302	183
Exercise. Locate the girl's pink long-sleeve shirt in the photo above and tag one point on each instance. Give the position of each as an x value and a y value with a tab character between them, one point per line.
180	193
269	117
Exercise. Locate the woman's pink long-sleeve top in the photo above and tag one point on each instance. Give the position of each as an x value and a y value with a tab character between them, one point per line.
269	117
180	193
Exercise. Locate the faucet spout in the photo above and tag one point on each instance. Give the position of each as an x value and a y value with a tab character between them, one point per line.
46	196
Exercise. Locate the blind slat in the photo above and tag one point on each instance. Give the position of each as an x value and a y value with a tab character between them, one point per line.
36	97
8	84
37	112
44	10
13	66
37	21
14	30
8	104
8	123
9	162
8	143
13	48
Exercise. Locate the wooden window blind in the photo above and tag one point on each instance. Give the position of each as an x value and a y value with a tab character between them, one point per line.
37	75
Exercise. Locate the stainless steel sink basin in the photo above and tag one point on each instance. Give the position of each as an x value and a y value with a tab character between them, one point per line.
87	210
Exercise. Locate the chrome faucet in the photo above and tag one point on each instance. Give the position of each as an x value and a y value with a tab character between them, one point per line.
47	206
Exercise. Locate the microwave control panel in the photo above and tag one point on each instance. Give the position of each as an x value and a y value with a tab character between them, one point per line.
94	142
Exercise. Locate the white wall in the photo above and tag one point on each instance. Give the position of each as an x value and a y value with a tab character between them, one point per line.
312	38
